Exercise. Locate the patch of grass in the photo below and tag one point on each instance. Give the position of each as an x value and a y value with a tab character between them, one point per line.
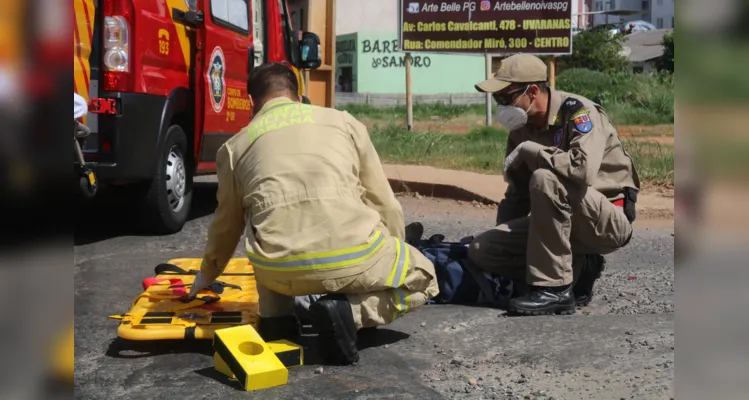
654	161
645	99
629	99
628	114
483	150
421	111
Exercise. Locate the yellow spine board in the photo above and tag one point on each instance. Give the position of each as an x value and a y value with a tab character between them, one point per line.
249	358
156	315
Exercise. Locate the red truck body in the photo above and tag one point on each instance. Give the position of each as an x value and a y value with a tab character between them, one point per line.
167	86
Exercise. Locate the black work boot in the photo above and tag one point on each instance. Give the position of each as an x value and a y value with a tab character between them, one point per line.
544	301
414	232
278	328
594	265
333	320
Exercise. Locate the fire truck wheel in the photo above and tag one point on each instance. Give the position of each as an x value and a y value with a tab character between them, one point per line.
169	196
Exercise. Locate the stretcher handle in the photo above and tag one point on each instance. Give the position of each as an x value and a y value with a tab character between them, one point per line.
161	268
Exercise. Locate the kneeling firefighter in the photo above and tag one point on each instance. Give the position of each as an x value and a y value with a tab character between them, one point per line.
306	186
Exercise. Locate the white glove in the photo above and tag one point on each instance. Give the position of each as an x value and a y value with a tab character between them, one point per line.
200	283
510	160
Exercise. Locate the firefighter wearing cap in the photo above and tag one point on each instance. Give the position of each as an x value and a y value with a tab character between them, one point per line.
571	191
306	187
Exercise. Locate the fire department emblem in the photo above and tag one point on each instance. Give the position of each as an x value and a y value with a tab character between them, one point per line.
215	78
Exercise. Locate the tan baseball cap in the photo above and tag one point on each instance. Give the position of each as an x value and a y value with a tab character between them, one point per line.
520	68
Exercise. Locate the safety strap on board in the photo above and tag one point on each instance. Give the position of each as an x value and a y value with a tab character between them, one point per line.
188	320
171	269
186	305
177	288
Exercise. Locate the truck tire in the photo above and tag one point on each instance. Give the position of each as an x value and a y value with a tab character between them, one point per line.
169	196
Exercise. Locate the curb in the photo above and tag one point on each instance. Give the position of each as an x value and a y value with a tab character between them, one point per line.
438	190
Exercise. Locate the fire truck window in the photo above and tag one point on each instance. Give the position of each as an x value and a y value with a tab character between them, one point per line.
289	38
231	14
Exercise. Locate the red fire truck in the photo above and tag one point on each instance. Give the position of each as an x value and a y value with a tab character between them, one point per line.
166	82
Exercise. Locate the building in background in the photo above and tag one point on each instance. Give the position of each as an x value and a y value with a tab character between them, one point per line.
369	59
579	19
662	14
372	62
658	12
644	49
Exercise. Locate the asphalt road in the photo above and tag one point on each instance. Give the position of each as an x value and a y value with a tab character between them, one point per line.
622	346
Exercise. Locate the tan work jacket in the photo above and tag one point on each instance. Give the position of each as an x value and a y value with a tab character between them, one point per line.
306	186
580	144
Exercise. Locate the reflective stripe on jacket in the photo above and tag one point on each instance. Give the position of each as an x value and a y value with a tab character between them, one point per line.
306	187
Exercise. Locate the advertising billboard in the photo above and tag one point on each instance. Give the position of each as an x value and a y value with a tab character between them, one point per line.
541	27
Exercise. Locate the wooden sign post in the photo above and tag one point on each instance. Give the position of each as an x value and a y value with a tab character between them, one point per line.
552	64
409	98
488	66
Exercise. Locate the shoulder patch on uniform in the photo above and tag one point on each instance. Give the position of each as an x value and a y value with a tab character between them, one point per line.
583	123
558	137
572	105
583	111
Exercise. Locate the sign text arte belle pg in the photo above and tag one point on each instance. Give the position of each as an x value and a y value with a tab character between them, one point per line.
542	27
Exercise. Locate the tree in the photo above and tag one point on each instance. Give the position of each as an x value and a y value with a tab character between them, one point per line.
666	61
596	50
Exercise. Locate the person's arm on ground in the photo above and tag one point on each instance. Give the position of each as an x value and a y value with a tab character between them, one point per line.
516	203
226	228
580	164
378	194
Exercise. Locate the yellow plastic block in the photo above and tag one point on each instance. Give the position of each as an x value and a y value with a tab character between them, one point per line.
249	358
290	354
221	366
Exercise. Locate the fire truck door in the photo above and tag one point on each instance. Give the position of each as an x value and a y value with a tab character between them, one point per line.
221	73
258	30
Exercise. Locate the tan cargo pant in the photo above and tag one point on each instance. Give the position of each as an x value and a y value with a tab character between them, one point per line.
564	220
383	292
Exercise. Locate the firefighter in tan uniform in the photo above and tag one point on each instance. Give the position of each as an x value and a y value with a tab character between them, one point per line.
306	187
567	168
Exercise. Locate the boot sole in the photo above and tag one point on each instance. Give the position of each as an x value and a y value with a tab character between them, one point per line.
334	335
552	311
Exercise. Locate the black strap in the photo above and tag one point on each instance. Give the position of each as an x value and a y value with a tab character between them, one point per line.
206	299
161	268
190	333
175	270
218	286
215	287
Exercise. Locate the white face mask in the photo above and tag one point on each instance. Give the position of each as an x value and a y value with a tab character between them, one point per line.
512	117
